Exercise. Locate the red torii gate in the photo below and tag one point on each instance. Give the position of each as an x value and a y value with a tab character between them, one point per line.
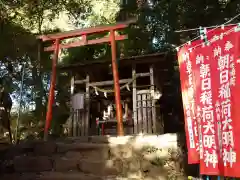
84	33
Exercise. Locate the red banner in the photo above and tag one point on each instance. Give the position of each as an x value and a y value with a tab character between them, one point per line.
188	87
212	124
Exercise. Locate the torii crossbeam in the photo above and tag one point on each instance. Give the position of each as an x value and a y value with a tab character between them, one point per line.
84	33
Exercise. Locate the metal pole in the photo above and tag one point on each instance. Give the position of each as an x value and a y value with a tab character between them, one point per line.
116	85
20	103
51	90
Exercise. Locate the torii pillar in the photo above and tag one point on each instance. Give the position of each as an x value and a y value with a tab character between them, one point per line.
84	33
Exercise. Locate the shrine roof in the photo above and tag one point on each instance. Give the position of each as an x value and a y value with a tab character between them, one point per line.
127	61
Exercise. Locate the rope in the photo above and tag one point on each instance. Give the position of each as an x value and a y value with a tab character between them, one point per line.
213	39
209	31
111	90
195	29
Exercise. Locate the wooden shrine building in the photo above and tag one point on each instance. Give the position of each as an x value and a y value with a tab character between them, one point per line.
141	80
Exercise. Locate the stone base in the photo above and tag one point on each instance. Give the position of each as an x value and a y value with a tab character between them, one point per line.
94	158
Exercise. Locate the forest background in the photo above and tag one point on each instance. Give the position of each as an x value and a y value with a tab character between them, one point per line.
22	20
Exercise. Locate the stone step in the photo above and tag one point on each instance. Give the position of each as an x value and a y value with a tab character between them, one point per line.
23	164
138	157
78	176
87	139
104	168
85	164
52	176
48	148
67	176
77	146
89	165
75	176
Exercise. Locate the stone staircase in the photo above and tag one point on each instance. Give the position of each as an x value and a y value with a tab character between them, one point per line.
94	158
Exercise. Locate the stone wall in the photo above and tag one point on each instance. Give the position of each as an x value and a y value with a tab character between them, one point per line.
95	158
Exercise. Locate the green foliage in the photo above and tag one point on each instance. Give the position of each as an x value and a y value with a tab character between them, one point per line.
157	20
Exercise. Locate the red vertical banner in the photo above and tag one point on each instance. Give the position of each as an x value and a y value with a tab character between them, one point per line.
188	89
215	68
205	98
225	52
234	169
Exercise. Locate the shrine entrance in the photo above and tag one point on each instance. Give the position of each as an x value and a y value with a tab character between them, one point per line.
78	121
145	112
93	111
